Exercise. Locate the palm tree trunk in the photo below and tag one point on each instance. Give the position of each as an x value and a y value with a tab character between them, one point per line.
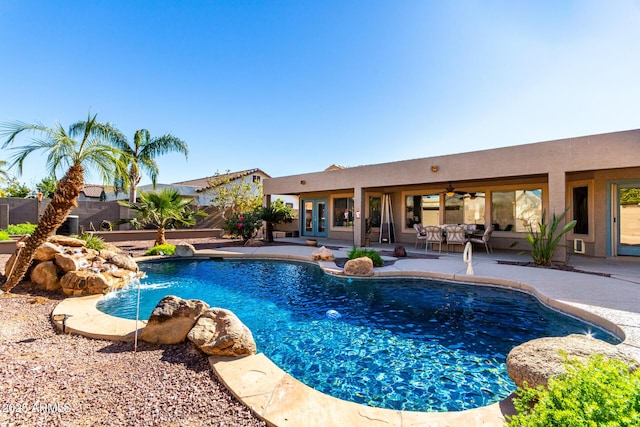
160	236
134	180
64	199
269	231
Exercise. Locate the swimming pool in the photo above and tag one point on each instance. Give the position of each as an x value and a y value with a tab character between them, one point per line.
408	344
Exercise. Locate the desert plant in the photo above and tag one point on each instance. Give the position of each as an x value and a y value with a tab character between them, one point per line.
544	242
21	229
164	209
369	253
92	242
274	214
244	225
164	249
602	392
4	235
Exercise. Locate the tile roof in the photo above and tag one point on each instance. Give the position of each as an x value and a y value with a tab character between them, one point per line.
204	182
94	190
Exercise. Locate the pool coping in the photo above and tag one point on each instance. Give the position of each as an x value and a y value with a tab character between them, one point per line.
282	400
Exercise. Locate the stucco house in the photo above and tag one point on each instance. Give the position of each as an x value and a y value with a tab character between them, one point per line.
101	193
196	189
508	188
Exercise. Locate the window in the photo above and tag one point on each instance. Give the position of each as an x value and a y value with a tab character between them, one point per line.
581	210
422	210
474	205
516	210
343	212
454	209
256	179
375	209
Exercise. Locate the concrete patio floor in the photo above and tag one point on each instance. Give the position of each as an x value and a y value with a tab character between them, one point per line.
611	302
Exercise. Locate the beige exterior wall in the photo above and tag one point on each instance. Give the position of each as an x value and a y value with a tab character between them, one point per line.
554	166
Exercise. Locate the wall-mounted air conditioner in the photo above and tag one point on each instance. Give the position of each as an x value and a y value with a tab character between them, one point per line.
578	246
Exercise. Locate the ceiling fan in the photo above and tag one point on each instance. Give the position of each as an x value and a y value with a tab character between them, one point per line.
450	191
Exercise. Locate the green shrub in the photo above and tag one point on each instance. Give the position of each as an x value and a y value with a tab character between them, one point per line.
165	249
601	393
92	242
244	225
369	253
544	243
19	229
4	235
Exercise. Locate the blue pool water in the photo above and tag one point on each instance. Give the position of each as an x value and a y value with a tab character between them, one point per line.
408	344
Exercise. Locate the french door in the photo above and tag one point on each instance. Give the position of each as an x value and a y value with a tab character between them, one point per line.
626	220
314	218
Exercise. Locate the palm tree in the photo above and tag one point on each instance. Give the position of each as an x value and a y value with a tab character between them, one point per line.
165	209
4	175
142	154
275	214
93	150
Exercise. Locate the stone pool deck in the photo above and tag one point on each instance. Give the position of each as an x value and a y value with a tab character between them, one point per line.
611	302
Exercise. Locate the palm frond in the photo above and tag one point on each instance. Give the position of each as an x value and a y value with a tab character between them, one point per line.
11	130
163	145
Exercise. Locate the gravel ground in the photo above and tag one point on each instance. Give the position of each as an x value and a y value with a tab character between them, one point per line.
53	379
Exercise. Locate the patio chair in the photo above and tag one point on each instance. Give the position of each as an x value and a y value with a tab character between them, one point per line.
420	234
485	239
433	235
456	235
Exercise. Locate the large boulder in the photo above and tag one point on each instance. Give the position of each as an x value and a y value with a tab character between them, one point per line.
67	262
84	282
172	319
45	275
47	252
539	360
362	266
66	241
219	332
185	249
322	254
119	260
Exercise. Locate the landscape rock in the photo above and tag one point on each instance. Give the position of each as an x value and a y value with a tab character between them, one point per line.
46	252
45	275
66	262
399	252
66	241
119	260
84	282
539	360
362	266
322	254
219	332
172	319
185	249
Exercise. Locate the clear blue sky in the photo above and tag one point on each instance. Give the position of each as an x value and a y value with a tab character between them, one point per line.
295	86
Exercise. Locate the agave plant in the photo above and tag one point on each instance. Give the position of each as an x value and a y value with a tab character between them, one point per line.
544	242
